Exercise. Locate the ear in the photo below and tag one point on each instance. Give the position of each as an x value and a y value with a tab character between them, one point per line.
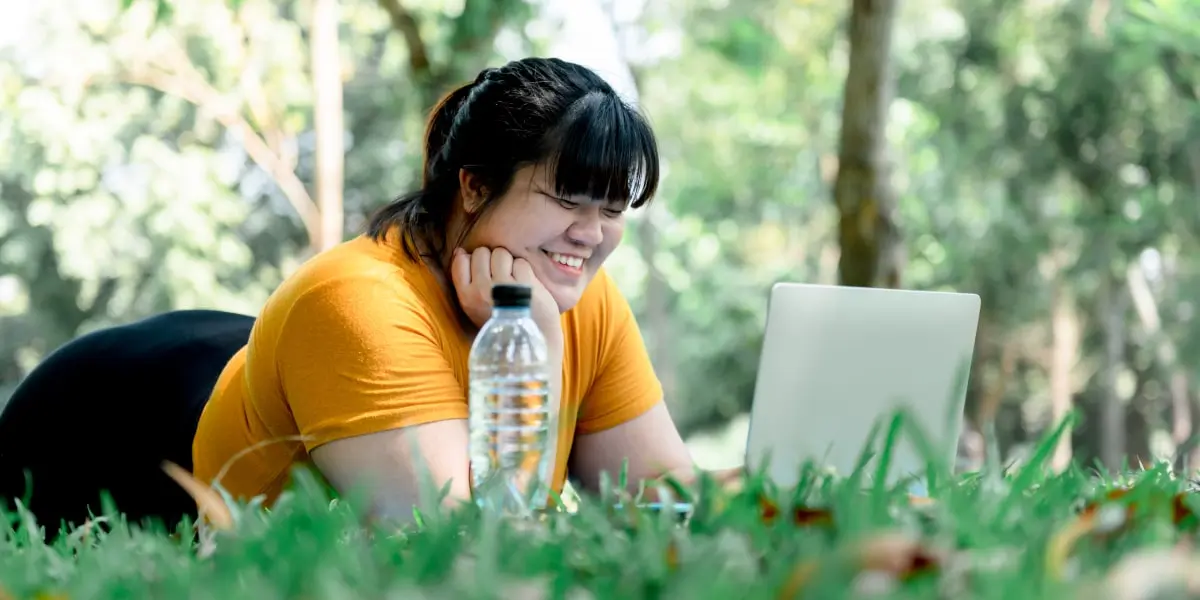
473	190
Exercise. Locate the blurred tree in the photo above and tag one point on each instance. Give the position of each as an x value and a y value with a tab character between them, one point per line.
328	122
190	187
867	235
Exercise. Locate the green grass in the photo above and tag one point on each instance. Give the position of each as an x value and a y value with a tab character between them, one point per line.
990	534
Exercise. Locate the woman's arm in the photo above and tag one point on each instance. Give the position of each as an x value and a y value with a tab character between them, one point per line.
650	442
654	449
388	462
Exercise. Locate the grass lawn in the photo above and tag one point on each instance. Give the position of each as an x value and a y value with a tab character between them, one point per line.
1020	533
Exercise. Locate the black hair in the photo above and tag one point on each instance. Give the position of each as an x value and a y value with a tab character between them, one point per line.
530	111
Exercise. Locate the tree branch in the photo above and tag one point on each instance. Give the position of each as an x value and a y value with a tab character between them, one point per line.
260	108
1172	67
404	22
198	92
104	295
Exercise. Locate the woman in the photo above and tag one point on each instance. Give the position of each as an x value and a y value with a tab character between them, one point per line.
357	364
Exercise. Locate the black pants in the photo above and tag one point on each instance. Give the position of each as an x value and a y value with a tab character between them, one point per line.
104	411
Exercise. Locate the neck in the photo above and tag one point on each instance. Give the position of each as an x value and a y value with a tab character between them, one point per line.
437	260
455	226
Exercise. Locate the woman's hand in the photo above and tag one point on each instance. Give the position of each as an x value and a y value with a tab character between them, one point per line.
475	273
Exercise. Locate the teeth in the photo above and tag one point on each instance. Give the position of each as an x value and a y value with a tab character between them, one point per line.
571	261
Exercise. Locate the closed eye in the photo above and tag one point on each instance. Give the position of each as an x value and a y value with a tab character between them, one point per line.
572	205
565	203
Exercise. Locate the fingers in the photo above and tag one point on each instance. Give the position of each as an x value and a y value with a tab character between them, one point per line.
522	271
485	267
460	269
502	266
481	268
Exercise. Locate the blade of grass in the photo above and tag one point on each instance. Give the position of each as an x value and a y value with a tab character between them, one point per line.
1034	467
880	496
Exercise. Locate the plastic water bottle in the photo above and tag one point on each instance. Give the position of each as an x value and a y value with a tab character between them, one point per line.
512	422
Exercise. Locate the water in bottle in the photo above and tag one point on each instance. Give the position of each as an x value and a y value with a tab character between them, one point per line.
512	422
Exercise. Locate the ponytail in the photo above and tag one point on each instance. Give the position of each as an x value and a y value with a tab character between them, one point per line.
421	214
439	125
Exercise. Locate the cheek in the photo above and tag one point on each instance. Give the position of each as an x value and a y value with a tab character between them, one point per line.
496	233
613	232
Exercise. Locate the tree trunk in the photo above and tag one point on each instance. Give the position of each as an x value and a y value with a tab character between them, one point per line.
1146	307
867	233
1112	414
1137	428
1064	348
328	122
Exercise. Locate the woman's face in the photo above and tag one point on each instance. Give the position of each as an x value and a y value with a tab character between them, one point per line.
564	239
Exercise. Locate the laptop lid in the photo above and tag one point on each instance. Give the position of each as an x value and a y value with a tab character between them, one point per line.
837	359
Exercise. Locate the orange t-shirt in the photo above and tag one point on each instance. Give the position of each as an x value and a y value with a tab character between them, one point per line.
363	339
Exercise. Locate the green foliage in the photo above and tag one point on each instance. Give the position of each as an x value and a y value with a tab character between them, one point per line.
120	199
984	535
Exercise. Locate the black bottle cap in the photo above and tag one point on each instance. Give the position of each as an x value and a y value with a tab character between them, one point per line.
511	295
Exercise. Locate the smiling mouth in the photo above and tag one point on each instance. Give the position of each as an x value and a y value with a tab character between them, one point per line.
573	264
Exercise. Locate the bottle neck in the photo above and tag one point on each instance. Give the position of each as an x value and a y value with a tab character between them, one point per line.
510	312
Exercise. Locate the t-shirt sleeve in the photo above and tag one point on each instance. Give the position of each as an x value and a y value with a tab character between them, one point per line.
625	386
358	356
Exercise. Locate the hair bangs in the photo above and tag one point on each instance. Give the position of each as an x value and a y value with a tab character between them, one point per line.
604	150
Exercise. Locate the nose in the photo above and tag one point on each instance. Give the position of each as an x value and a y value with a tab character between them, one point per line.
586	230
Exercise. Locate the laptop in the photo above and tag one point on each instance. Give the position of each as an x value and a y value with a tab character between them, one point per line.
837	359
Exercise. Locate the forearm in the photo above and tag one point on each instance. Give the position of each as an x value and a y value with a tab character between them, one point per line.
554	369
395	464
650	444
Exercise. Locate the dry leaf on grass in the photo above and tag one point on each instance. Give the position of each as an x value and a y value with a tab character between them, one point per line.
1180	511
209	502
899	555
1059	547
802	515
1101	517
814	515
